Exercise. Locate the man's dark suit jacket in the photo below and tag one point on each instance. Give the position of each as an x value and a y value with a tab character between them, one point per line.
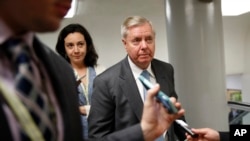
64	86
117	104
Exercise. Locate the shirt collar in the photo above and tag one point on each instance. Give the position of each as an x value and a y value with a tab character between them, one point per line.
137	71
6	33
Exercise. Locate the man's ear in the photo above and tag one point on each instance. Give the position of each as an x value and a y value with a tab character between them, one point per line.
124	41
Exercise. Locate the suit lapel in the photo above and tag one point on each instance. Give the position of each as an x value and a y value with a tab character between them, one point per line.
61	75
52	66
130	89
160	76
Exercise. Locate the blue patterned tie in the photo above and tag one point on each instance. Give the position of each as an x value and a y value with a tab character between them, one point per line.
146	74
33	98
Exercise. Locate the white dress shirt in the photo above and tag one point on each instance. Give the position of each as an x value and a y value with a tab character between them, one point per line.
137	72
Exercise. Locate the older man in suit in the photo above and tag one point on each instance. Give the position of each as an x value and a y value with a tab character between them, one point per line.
118	95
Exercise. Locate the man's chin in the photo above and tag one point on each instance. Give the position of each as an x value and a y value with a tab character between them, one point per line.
145	59
145	62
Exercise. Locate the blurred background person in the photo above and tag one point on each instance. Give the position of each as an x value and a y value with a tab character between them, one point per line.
76	46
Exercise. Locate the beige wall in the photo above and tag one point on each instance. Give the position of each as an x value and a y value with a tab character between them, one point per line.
103	19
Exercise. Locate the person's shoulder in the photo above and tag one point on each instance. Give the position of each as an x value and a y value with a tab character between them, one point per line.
40	46
99	69
56	57
110	71
157	61
46	53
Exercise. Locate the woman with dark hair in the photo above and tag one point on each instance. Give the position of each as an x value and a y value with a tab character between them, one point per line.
76	46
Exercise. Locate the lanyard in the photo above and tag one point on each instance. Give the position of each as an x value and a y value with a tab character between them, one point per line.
21	113
85	87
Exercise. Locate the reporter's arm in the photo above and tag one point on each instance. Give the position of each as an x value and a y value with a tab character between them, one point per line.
205	134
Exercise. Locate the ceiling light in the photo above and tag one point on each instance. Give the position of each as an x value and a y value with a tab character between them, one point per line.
72	11
234	7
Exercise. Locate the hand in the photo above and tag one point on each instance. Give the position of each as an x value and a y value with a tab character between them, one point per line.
87	108
205	134
155	118
84	110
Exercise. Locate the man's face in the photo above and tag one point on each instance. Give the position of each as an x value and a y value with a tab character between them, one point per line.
140	45
33	15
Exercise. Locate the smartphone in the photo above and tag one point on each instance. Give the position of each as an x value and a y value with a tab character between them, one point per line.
164	99
185	126
161	96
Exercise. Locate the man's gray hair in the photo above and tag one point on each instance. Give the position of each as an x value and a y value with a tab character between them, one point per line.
134	21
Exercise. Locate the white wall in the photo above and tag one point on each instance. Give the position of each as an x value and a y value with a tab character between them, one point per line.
234	81
103	19
235	35
237	49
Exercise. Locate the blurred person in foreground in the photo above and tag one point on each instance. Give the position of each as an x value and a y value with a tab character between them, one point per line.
38	95
51	77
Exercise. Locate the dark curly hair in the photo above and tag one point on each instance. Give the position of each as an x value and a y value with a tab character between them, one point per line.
91	55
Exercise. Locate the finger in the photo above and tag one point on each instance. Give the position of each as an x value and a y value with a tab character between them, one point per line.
200	131
189	138
178	105
153	91
173	99
180	113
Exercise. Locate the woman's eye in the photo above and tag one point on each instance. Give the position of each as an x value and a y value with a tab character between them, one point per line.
81	44
69	45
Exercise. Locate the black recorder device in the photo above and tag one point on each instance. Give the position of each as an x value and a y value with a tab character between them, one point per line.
185	126
164	99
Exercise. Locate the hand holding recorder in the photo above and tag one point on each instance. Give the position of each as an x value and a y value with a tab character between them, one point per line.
155	118
165	100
